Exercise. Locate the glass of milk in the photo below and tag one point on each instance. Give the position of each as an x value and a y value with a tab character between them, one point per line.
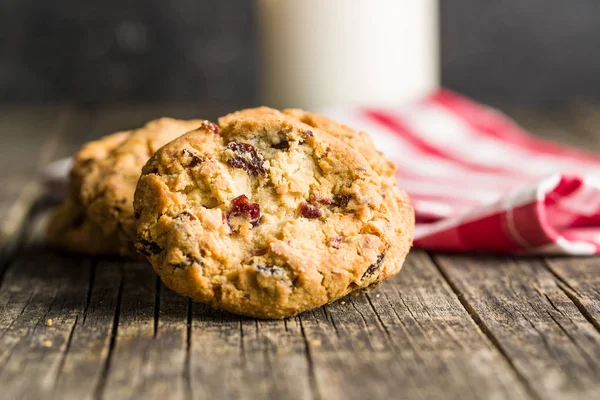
318	54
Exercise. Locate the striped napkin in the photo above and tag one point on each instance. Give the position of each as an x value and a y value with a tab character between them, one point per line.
479	182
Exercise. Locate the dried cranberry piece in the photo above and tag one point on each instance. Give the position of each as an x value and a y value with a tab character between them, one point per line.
246	157
309	211
137	214
375	266
308	133
146	247
240	206
210	126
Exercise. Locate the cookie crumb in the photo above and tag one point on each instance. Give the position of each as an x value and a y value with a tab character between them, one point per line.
342	302
377	295
314	342
49	322
47	343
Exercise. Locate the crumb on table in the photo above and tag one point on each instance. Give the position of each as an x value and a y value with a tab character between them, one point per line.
47	343
49	322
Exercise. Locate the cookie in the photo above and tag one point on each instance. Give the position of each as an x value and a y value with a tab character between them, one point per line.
267	218
69	229
89	157
104	176
397	201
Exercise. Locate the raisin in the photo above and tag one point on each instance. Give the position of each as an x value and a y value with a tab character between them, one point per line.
246	157
137	214
240	206
342	200
147	248
309	211
282	145
375	266
195	159
210	126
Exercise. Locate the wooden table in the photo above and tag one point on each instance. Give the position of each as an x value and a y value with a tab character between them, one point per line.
448	327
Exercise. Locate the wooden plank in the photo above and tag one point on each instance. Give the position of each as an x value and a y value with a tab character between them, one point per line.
85	362
535	324
149	355
579	278
79	297
410	337
42	298
236	357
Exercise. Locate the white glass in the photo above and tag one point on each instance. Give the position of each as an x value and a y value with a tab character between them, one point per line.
324	53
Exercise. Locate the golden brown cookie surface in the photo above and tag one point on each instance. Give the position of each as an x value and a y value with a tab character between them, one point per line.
397	201
102	183
268	217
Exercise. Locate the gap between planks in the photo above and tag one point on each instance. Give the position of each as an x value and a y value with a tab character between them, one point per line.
561	342
485	330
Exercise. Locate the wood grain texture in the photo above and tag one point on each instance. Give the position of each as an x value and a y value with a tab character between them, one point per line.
580	280
411	337
237	357
38	288
549	342
149	355
85	365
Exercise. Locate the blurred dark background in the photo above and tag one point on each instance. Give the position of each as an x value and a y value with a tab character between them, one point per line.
510	51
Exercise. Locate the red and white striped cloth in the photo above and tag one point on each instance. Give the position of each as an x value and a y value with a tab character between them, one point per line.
479	182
